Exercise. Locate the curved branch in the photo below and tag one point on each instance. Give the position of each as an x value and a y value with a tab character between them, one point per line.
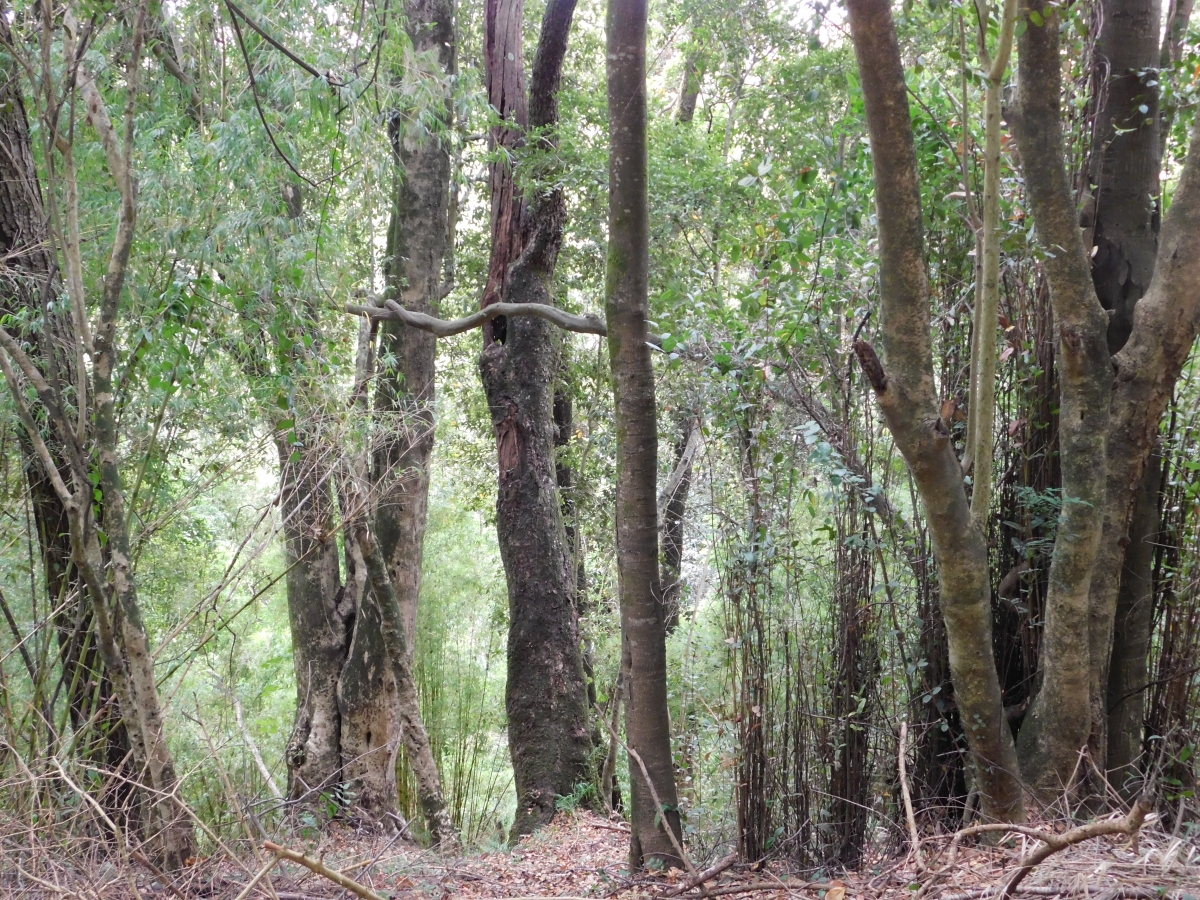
394	312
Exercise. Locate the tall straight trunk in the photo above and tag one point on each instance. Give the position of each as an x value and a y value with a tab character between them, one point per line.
906	394
987	308
418	238
1122	175
546	692
647	719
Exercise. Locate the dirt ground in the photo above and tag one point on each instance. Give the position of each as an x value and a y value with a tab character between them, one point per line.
584	856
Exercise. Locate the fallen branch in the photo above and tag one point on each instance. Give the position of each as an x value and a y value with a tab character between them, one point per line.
701	877
763	886
259	876
913	835
394	312
323	870
1129	825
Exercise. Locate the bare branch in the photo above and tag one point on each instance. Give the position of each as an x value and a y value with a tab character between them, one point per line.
394	312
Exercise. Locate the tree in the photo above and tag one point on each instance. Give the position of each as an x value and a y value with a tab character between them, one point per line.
546	696
905	391
654	817
83	416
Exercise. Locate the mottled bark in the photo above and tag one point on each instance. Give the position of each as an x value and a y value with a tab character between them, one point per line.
412	728
982	405
647	722
906	395
1059	719
689	87
418	238
1123	168
546	693
366	690
319	612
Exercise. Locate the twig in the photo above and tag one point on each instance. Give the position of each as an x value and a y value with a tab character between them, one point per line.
259	876
323	870
707	875
913	834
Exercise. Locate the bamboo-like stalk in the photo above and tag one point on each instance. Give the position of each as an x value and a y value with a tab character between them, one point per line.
987	308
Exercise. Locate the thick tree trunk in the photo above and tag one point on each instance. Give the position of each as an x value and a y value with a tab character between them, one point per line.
418	237
1059	720
1123	220
366	690
319	612
412	728
907	397
546	693
647	720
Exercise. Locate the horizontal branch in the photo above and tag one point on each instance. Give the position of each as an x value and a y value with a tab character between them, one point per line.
394	312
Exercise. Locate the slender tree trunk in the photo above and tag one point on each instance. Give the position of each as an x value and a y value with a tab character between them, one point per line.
647	721
689	87
673	509
546	693
1129	670
32	285
907	397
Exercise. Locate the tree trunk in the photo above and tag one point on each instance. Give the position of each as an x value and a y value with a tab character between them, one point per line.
1123	219
320	612
546	693
1129	670
33	285
412	728
907	397
417	246
647	720
1059	719
673	508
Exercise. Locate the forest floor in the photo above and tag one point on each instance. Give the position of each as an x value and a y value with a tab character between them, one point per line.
581	855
